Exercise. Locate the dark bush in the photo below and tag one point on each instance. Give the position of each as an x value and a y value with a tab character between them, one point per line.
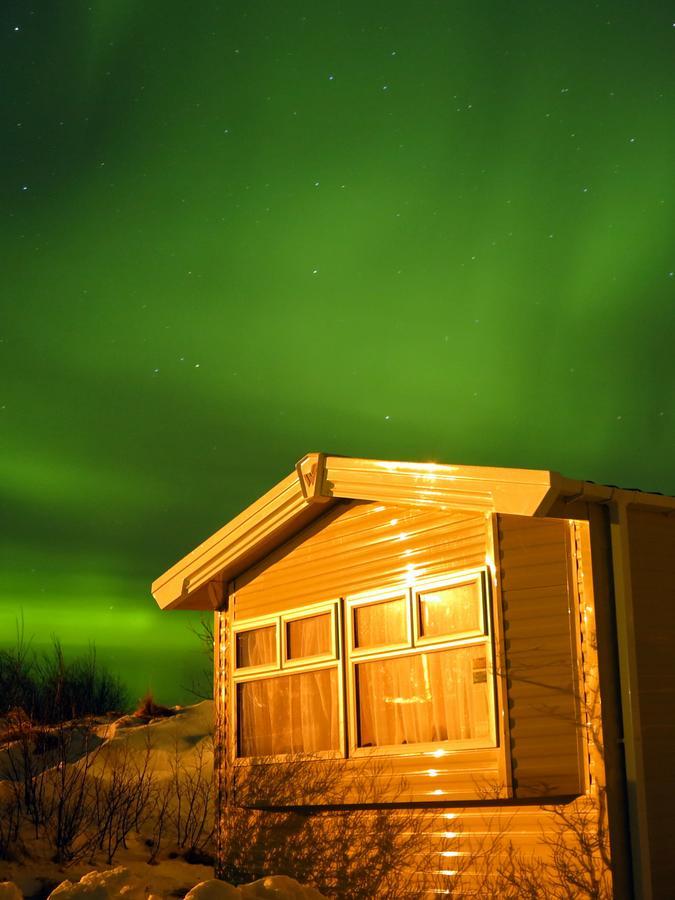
50	689
148	709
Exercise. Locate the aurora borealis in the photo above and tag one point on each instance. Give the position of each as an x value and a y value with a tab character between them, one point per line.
234	233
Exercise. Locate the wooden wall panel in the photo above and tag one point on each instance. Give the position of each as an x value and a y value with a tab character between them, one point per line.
358	546
652	561
540	639
458	851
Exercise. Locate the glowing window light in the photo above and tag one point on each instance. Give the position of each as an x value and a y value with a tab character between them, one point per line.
404	700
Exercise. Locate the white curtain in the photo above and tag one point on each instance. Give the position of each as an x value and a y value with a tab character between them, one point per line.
308	637
452	610
424	698
380	624
296	712
257	647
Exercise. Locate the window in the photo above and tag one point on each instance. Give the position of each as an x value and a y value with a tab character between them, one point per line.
287	685
418	667
418	674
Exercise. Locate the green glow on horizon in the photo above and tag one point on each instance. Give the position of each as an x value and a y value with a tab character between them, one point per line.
393	230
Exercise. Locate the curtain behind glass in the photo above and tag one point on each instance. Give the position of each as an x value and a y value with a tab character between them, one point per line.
423	698
288	714
296	712
257	647
309	636
381	624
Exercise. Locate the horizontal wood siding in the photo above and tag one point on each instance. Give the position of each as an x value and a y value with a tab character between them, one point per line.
455	851
540	640
355	547
652	560
343	812
359	546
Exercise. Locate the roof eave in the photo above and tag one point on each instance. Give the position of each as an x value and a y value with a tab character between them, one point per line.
287	507
320	481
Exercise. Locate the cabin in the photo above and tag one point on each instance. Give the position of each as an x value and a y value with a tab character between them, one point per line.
460	678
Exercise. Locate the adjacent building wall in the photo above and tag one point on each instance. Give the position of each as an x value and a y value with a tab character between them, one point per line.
651	546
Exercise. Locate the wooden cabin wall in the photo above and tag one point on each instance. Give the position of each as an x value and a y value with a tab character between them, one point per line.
651	541
537	586
358	546
480	851
361	546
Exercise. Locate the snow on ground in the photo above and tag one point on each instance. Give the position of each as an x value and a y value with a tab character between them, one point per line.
184	739
38	875
122	884
188	734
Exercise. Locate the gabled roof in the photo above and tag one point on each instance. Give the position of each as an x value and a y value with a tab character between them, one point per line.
319	481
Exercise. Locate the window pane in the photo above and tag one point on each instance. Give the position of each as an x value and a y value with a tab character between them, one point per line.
425	697
288	714
309	637
451	610
257	647
380	624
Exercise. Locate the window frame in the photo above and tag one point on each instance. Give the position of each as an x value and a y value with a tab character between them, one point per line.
439	583
284	667
345	657
373	598
309	613
418	646
254	625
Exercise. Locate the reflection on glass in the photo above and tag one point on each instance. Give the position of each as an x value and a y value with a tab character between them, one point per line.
257	647
424	698
456	609
288	714
309	637
381	624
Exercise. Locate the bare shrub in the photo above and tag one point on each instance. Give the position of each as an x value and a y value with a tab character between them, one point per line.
192	801
202	686
158	819
62	802
120	798
10	824
368	849
51	689
148	709
57	781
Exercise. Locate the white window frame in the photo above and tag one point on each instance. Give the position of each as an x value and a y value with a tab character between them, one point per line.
254	625
373	598
417	646
345	657
438	584
309	612
284	666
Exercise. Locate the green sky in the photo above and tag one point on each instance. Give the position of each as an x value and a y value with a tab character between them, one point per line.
233	233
